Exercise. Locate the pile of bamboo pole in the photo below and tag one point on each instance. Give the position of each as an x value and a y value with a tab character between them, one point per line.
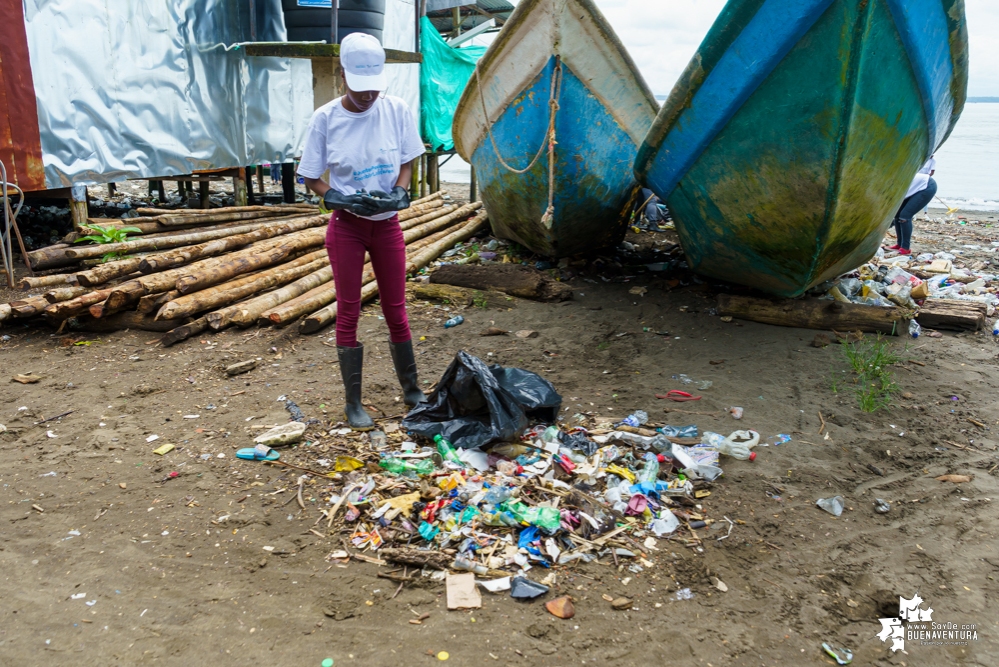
268	270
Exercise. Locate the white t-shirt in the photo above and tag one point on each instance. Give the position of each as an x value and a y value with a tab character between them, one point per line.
922	179
363	151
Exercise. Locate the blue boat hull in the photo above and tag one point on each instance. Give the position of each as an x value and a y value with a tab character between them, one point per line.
604	110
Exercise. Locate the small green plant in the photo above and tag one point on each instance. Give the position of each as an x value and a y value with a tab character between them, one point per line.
479	300
105	235
871	363
603	346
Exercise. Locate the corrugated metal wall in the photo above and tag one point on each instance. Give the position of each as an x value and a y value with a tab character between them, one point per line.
20	145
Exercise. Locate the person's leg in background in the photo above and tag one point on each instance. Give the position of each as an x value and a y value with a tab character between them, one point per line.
388	259
910	208
346	240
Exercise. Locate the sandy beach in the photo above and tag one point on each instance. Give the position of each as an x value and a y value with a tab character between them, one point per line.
109	559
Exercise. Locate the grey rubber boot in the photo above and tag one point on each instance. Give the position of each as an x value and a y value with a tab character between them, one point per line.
351	367
405	368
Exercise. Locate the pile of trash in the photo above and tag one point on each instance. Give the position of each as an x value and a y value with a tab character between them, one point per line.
907	281
482	478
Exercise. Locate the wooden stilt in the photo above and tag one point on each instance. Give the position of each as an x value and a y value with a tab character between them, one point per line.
203	190
250	200
473	187
239	188
161	191
78	206
260	178
288	182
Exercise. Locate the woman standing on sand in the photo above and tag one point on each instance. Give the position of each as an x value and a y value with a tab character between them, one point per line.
920	194
368	142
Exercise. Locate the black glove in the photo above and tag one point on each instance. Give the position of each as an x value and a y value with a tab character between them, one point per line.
397	200
334	200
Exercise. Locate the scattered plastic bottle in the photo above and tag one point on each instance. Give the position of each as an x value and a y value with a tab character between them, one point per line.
650	471
736	449
510	450
403	467
995	328
454	321
509	468
637	418
447	452
915	329
462	563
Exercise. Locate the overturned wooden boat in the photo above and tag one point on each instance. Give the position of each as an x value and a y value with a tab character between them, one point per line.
790	140
551	121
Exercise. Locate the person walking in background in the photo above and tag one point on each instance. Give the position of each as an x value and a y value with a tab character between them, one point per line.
275	173
368	141
921	192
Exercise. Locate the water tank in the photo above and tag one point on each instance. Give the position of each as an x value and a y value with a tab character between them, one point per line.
309	21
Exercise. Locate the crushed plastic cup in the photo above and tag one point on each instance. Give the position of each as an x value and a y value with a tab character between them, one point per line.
665	524
832	505
736	412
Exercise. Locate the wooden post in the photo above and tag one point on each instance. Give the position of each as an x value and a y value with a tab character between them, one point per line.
181	186
423	175
152	185
112	190
288	182
161	191
432	177
260	178
203	190
414	181
78	206
239	187
456	21
249	187
473	187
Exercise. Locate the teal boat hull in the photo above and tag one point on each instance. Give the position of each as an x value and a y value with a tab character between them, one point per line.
789	143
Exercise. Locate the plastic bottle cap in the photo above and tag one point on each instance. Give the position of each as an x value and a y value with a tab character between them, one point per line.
661	458
328	662
752	456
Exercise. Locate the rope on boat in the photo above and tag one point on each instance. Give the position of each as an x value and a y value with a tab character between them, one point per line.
553	97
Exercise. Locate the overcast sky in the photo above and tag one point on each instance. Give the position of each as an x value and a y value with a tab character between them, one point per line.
663	35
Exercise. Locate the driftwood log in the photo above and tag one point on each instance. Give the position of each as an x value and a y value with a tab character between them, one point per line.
816	314
462	296
437	560
29	307
5	311
952	314
128	320
57	312
511	279
105	272
65	293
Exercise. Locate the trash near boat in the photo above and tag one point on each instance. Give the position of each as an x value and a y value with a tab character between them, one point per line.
788	144
552	120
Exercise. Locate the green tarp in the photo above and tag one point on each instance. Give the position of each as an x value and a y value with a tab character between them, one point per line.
443	76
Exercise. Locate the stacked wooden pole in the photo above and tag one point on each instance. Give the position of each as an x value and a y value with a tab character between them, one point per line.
248	266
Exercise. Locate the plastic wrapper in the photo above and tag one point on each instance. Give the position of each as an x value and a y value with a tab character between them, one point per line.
849	286
475	404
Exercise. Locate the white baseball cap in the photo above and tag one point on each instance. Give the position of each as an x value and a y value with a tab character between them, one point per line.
363	60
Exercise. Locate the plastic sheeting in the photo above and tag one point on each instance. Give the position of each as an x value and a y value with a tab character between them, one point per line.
443	78
400	34
143	89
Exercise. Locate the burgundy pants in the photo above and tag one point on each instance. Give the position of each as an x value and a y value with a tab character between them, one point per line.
348	237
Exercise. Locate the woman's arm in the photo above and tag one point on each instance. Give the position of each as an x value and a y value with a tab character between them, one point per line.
317	185
405	174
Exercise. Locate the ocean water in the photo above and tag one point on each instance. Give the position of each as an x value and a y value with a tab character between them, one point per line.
967	165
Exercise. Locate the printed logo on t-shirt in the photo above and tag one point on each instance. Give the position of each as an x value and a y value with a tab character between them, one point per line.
372	172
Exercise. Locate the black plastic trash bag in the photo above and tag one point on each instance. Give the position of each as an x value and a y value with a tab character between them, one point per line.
475	404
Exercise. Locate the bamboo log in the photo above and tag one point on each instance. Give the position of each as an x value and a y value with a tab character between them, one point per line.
426	217
105	272
222	210
232	265
5	311
446	220
184	332
153	302
235	263
188	254
128	320
324	294
65	293
247	313
49	257
57	312
814	314
29	307
234	290
420	259
416	210
165	243
195	218
35	282
154	229
430	197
